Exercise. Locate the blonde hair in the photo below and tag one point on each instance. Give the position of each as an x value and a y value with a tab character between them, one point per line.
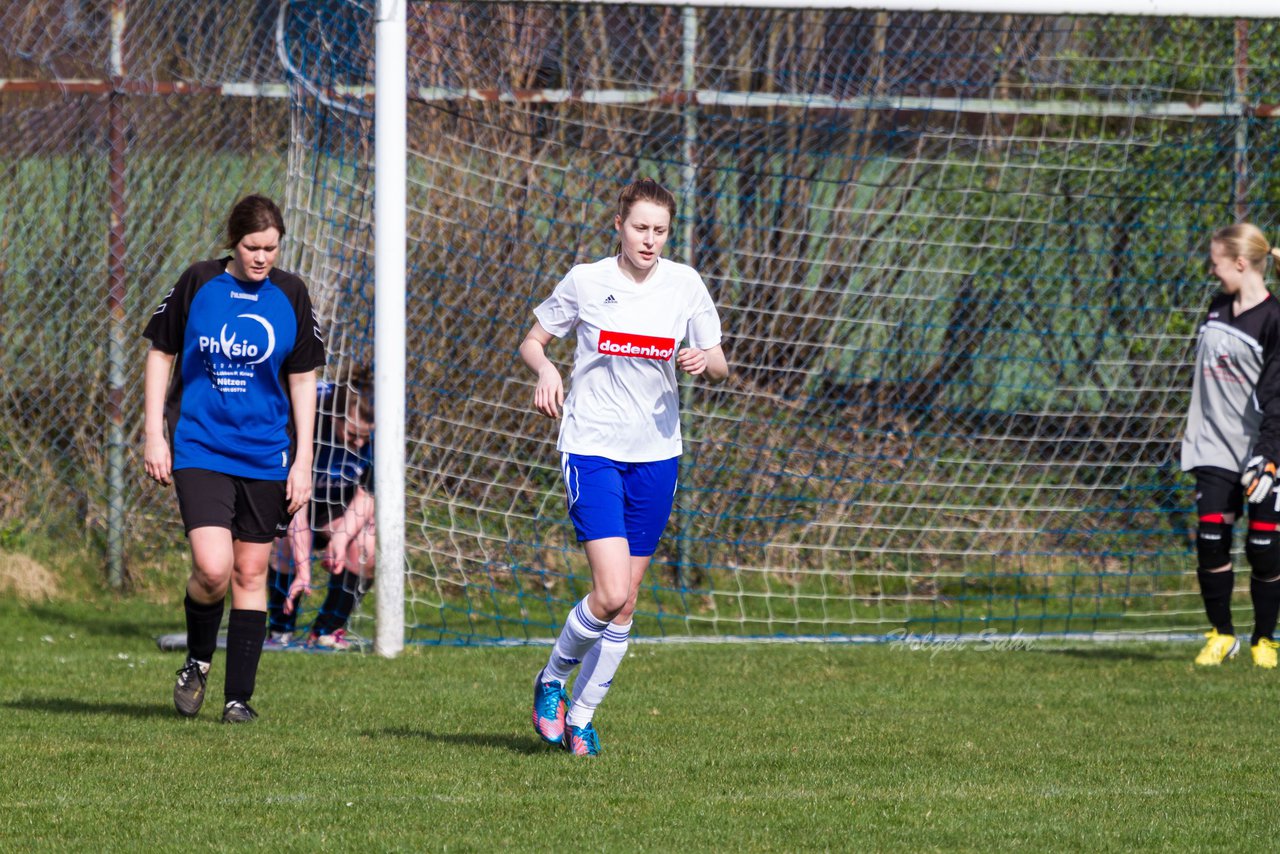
1245	240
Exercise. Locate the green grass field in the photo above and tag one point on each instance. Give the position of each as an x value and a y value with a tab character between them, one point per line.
706	748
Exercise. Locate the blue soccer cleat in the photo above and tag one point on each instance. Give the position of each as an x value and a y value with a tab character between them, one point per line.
582	741
549	706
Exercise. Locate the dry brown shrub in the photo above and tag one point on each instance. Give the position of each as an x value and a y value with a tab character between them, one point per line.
26	578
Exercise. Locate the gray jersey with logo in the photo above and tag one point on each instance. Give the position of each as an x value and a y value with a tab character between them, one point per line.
1236	387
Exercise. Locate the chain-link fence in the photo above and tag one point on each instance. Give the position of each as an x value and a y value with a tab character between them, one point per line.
127	130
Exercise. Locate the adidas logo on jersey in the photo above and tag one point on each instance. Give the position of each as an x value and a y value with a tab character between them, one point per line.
609	300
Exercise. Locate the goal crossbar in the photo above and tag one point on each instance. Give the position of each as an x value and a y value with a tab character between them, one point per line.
1142	8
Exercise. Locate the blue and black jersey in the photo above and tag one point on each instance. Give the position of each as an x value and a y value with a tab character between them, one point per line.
339	470
235	344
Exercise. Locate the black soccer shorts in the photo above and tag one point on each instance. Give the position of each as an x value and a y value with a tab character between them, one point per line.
255	511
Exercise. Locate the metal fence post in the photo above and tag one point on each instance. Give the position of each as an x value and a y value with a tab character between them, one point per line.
115	302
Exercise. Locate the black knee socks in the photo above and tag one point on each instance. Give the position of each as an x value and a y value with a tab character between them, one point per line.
277	593
1216	588
246	630
203	622
1266	607
344	592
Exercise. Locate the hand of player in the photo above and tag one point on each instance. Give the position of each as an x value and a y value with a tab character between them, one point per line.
300	587
548	397
297	490
691	360
1259	479
335	555
158	461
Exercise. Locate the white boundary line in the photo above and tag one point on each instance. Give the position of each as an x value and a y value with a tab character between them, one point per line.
997	640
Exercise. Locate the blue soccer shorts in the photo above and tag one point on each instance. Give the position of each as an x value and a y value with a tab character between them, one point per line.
607	498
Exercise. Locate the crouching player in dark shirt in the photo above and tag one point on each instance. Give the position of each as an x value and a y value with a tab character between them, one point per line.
341	524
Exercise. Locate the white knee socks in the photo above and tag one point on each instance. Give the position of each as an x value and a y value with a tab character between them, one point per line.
598	669
580	633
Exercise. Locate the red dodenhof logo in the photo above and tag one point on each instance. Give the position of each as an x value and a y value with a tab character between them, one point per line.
636	346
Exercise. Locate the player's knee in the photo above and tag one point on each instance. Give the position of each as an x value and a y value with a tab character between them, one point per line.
609	600
364	555
250	579
1262	548
626	613
212	576
212	586
353	581
1213	545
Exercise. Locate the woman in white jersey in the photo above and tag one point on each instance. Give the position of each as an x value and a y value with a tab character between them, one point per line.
619	437
1232	442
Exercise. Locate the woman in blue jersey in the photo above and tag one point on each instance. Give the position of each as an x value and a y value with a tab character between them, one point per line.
619	437
237	346
1232	442
339	520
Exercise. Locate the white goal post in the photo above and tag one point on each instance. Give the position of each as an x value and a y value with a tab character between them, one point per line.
390	171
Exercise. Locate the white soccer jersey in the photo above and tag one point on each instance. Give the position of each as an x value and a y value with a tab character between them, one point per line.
623	401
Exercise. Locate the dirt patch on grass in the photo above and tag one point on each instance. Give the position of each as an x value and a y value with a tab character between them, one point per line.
26	579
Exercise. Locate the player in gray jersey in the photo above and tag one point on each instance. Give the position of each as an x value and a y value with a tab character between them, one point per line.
1232	441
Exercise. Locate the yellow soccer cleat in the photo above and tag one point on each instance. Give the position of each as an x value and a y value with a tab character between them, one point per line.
1264	653
1218	649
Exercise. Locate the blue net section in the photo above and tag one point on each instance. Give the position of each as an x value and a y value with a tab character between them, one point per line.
960	261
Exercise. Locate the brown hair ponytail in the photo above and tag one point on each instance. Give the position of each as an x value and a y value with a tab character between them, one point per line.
357	389
644	190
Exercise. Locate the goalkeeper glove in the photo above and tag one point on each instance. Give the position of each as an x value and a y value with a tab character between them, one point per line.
1259	479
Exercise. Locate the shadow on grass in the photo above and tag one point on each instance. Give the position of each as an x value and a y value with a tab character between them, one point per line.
68	706
1103	653
87	622
527	745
